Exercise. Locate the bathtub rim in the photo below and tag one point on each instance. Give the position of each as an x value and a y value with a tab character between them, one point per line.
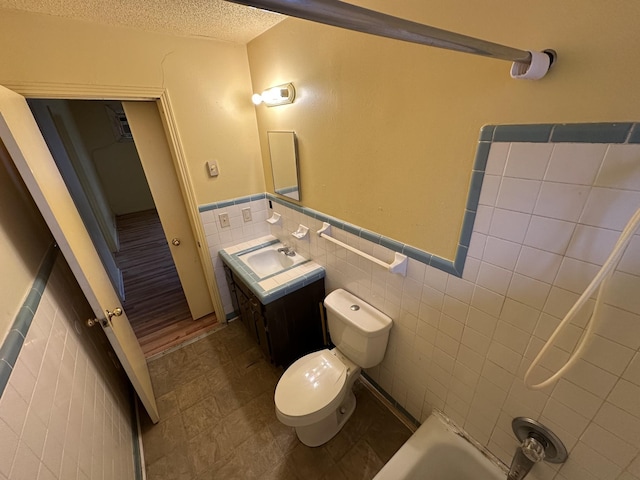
435	426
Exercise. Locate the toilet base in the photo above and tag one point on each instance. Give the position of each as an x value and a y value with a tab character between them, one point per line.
321	432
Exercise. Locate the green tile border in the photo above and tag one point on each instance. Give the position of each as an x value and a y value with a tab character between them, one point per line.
12	344
135	435
228	203
616	132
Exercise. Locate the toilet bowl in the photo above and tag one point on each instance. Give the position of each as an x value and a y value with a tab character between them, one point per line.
314	395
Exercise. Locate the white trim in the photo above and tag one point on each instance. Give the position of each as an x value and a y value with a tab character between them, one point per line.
160	95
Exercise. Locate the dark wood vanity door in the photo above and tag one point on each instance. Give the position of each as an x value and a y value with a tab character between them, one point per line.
286	329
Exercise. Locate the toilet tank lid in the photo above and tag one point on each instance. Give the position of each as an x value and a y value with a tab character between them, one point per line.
368	319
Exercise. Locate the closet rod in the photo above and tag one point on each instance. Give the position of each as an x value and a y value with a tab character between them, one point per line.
352	17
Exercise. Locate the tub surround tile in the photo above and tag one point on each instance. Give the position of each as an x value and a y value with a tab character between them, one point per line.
526	263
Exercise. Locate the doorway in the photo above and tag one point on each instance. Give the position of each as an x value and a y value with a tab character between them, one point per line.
94	149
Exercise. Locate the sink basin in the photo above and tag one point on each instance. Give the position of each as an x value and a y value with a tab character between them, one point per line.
268	261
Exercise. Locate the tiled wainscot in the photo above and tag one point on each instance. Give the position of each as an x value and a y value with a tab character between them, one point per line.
546	205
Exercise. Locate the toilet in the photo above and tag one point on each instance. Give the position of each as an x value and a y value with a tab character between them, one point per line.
314	394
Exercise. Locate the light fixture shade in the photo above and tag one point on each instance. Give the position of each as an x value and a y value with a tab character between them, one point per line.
274	96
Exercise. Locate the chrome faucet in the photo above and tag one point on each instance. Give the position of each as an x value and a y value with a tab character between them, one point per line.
287	250
538	444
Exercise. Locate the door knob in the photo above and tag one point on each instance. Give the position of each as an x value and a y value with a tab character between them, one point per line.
176	241
116	313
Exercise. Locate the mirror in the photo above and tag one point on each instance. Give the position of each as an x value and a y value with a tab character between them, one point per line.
283	150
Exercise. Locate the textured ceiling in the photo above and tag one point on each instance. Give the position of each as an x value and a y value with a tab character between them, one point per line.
195	18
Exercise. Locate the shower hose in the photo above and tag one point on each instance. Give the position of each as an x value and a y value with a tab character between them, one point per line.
599	283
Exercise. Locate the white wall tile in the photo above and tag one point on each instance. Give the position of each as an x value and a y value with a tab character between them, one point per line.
494	278
575	163
632	372
592	378
549	234
576	398
594	463
8	446
489	192
460	288
501	253
619	422
620	326
38	450
509	225
634	468
625	395
592	244
609	445
520	315
497	158
518	194
487	301
622	292
575	275
568	419
611	356
529	291
621	168
538	264
562	201
528	160
610	208
630	262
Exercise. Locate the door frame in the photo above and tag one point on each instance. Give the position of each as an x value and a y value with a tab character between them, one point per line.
162	99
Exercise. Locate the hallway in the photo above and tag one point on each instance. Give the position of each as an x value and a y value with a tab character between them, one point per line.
154	299
218	421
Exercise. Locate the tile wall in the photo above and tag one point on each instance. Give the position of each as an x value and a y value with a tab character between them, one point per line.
65	412
238	231
548	215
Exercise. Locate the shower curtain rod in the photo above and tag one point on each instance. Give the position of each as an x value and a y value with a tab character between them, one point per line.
352	17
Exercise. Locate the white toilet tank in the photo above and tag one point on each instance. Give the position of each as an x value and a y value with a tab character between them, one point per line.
357	329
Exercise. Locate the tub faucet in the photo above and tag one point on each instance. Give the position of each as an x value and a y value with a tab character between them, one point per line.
530	452
538	444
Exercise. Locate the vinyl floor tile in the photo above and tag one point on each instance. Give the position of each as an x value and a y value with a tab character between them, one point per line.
217	421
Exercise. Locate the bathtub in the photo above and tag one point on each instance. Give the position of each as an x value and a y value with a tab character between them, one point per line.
436	452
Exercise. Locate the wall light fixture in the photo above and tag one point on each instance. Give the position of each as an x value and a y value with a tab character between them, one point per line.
279	95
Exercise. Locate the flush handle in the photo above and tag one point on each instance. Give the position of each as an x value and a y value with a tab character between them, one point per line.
175	241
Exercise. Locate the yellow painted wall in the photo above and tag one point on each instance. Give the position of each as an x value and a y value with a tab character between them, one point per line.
116	161
208	82
24	238
387	130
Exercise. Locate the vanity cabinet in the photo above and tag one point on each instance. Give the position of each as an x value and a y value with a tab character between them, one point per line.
287	328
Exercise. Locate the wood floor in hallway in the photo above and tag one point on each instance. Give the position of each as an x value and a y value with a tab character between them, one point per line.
154	299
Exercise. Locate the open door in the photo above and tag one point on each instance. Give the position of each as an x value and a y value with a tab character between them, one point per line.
155	157
29	152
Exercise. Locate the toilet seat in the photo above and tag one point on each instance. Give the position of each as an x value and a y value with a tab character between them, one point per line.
310	389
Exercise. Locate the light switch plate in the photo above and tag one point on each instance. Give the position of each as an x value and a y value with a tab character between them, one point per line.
246	214
212	167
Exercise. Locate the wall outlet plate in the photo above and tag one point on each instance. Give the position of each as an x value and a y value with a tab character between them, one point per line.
224	220
246	214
